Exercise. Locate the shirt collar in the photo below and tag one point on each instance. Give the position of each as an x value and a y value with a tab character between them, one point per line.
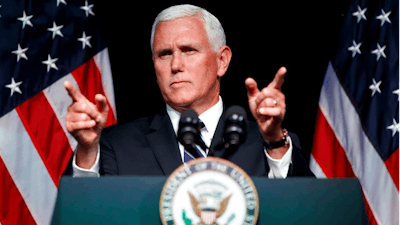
210	117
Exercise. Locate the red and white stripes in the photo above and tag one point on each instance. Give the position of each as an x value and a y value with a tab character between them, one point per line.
35	146
342	149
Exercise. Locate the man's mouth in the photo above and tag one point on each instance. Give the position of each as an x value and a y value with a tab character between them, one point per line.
178	82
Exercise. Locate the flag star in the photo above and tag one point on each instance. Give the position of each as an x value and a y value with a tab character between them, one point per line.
88	9
379	51
396	92
14	86
355	48
384	17
61	1
394	127
20	53
85	40
56	30
360	14
51	63
375	87
25	20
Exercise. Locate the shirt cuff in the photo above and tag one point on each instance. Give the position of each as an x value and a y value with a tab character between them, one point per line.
278	168
81	172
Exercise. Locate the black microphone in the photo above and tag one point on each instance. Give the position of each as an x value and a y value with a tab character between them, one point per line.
189	132
235	127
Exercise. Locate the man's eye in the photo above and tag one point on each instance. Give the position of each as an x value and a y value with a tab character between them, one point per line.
188	50
164	53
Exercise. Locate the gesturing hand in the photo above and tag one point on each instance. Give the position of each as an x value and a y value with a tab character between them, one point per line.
85	121
268	106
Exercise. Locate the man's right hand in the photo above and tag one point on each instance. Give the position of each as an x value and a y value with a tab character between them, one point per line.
85	121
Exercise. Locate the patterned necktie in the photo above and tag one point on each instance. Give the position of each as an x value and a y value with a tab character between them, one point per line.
201	152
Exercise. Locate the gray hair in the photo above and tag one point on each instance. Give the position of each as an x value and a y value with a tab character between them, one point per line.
215	32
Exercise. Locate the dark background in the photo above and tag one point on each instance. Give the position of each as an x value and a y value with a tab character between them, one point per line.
264	36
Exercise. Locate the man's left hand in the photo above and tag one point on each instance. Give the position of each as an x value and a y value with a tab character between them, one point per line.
268	106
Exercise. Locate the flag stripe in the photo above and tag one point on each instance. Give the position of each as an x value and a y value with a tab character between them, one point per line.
58	98
392	164
337	165
366	162
13	209
41	123
26	168
88	76
315	168
370	215
102	61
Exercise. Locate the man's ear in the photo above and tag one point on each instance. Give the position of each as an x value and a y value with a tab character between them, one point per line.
224	56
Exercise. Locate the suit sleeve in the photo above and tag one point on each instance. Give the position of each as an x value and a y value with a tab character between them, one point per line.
108	163
68	170
299	166
75	171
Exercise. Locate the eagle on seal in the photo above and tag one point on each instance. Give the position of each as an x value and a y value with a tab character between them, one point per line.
207	209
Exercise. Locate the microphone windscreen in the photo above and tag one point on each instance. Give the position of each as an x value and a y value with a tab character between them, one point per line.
236	110
189	113
188	131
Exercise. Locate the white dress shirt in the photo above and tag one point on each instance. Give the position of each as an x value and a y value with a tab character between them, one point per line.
210	119
278	167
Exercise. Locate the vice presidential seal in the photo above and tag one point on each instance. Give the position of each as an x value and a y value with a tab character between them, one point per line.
209	191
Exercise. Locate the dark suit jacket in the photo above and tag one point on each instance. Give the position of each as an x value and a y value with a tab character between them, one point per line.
149	146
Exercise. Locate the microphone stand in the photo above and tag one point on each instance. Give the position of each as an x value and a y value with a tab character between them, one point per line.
229	151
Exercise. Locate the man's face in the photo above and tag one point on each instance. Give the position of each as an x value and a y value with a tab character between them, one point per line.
185	65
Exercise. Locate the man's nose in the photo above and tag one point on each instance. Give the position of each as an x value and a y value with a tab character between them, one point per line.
176	63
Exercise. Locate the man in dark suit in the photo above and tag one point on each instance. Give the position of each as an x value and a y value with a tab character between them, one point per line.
190	57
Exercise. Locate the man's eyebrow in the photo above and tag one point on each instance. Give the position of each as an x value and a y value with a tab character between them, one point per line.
188	45
168	50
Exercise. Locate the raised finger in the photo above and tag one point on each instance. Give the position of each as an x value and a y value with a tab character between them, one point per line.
101	103
278	79
251	86
73	92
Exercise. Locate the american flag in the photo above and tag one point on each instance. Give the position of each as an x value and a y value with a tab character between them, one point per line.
357	129
42	45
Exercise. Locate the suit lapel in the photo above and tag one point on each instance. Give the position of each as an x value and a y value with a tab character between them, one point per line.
216	143
163	142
